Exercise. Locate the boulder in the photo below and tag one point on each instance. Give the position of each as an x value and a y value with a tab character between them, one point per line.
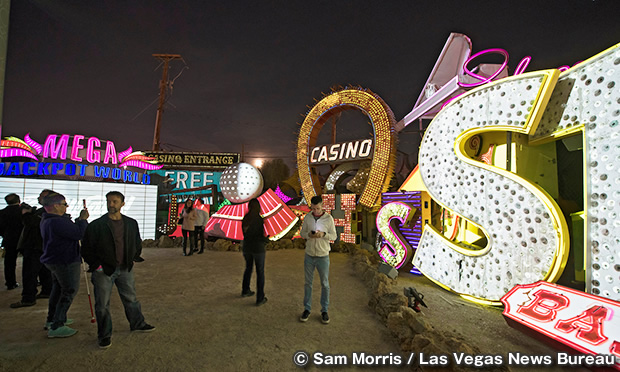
416	321
222	245
399	328
165	242
149	243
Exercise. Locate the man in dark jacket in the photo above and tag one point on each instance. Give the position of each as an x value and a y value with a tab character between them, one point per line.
61	255
31	246
111	245
10	229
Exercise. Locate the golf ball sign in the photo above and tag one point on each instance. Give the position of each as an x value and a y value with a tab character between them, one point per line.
241	182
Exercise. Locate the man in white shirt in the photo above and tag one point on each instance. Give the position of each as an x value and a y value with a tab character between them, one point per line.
318	229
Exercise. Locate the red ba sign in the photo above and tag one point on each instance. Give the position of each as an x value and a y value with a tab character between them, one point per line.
587	323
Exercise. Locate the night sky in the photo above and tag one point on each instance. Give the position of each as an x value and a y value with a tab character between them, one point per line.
86	66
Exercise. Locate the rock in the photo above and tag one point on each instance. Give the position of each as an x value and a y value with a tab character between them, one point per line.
389	303
415	321
165	242
149	243
360	268
299	243
399	328
457	345
234	247
222	245
286	243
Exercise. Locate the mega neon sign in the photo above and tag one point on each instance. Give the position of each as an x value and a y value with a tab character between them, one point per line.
78	149
56	147
588	324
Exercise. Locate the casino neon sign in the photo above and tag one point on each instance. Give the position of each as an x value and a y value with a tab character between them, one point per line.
339	152
383	152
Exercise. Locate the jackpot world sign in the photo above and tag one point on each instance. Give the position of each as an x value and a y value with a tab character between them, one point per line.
76	155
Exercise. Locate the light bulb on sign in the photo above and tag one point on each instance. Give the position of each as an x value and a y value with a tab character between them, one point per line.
258	163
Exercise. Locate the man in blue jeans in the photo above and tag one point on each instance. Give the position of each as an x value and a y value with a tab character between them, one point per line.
318	229
110	247
61	255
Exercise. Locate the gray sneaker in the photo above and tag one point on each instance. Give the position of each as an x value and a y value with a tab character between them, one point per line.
61	332
48	325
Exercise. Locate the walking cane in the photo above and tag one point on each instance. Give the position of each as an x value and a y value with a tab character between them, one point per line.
90	302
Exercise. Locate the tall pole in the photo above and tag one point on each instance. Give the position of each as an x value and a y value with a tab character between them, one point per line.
163	84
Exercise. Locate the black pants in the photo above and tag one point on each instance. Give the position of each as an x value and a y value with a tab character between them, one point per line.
31	269
10	263
192	243
250	259
200	235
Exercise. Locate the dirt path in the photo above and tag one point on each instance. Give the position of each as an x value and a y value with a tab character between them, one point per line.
202	322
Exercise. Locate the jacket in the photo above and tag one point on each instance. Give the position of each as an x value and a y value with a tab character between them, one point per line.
98	247
318	247
201	218
254	239
11	226
189	219
31	242
61	238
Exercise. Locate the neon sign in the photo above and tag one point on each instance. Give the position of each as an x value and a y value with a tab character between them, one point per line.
349	151
526	234
587	323
384	153
56	147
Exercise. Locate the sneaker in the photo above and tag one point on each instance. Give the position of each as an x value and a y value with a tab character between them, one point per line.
144	328
22	304
261	302
60	332
105	342
12	286
48	325
324	318
304	316
248	294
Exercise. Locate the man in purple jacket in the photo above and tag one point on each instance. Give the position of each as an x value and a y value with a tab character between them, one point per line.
61	255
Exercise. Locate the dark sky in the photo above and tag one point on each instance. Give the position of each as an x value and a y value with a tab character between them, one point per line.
86	66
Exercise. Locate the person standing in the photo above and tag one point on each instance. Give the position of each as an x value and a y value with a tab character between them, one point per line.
201	221
254	241
111	245
31	246
318	229
10	229
61	255
189	216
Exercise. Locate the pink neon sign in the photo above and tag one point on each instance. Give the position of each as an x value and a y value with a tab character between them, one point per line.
57	146
483	79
